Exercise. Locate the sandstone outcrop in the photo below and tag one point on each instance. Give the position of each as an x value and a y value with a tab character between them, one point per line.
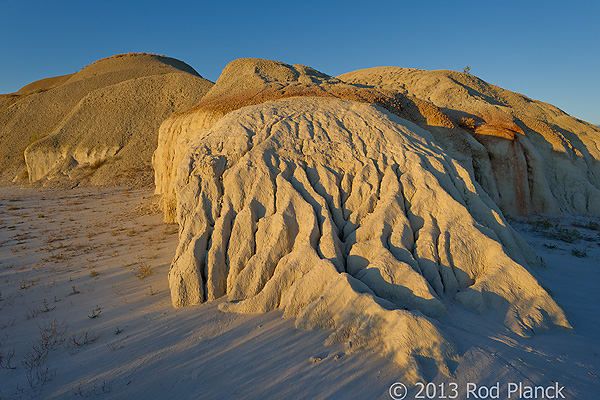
542	160
349	218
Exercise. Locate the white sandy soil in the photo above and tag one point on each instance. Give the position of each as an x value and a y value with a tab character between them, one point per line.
85	312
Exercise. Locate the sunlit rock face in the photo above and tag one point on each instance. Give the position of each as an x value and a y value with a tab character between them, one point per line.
349	218
529	156
99	125
251	81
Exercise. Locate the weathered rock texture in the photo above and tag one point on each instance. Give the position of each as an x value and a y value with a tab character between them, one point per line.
349	218
99	124
250	81
529	156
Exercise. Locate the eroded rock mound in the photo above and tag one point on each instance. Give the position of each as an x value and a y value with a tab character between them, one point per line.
350	218
250	81
99	124
542	160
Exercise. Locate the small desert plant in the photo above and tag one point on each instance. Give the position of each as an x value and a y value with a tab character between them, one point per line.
117	344
591	225
52	333
32	313
6	357
117	331
565	234
117	289
467	69
83	338
35	361
96	312
25	284
94	273
143	271
73	291
540	224
46	307
93	391
152	292
36	366
579	253
556	231
466	123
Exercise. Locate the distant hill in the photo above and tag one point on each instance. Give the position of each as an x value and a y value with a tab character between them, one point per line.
99	124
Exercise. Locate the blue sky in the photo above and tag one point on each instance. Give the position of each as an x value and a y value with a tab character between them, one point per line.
547	50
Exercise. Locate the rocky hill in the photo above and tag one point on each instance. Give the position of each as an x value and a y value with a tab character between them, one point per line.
297	191
98	125
542	160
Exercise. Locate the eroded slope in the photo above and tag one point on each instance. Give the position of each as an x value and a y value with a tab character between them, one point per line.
348	218
250	81
543	160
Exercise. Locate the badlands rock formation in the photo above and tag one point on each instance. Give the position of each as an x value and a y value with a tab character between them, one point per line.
99	124
541	159
250	81
245	82
349	218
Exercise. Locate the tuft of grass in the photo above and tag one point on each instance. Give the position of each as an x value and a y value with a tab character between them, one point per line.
467	123
566	234
143	271
96	312
152	292
579	253
540	224
591	225
556	231
46	306
84	338
73	291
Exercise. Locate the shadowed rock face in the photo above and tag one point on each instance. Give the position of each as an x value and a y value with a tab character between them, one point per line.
350	218
541	159
99	124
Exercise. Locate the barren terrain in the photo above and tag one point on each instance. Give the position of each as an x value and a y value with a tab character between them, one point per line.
86	312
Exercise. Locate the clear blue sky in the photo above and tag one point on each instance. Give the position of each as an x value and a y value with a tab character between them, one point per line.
547	50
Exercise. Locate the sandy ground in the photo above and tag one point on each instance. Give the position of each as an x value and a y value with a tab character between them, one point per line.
66	257
85	312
